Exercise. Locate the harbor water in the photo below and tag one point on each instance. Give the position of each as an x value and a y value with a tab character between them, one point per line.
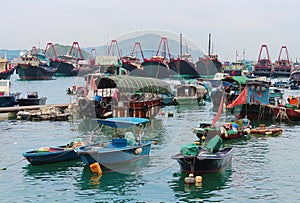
263	169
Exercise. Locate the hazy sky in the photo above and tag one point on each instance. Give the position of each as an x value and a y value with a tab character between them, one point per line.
234	25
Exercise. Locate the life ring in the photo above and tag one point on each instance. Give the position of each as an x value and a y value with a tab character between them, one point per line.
108	107
145	108
103	104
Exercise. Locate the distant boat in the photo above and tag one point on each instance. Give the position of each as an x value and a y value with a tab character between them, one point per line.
264	66
6	98
34	66
32	99
190	94
131	62
6	69
69	64
282	67
158	65
295	77
183	66
208	65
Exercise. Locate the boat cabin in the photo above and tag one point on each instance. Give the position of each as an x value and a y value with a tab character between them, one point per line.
4	87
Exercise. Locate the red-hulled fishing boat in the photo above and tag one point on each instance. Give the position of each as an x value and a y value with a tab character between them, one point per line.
282	67
263	67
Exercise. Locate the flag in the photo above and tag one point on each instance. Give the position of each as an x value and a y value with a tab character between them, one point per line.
93	84
241	99
219	111
115	95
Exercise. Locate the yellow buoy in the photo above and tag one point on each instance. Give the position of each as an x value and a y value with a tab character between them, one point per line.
198	179
190	179
268	133
95	168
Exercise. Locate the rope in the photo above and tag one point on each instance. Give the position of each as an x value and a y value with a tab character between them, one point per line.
282	114
4	168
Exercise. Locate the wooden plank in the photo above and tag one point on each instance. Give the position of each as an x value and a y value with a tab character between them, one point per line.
35	107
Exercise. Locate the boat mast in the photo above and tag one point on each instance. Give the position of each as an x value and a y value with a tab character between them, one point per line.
180	45
209	42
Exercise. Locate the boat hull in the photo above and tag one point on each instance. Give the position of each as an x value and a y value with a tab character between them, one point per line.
7	101
112	155
5	75
154	69
267	131
207	163
26	72
208	67
32	101
64	69
183	68
54	155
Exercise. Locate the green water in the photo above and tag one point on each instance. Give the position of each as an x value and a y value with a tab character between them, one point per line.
262	169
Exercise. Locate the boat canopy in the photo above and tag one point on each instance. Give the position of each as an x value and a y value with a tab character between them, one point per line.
130	84
239	79
122	122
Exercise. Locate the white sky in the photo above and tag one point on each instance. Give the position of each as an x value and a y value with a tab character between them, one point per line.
235	25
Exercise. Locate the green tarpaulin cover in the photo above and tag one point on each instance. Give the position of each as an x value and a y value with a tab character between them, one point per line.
190	149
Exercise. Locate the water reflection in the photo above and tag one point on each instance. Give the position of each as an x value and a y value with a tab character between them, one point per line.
51	170
211	182
114	185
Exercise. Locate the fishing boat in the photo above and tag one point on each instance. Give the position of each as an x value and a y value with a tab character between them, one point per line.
122	96
6	98
282	67
32	99
34	66
227	131
270	131
264	66
254	101
69	64
158	65
197	160
208	65
190	94
230	89
295	77
183	66
6	69
47	155
119	150
131	62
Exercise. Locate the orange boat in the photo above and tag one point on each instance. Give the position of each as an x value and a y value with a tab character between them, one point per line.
266	131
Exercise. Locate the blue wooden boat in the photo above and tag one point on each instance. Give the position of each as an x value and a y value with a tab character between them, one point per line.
47	155
118	150
198	160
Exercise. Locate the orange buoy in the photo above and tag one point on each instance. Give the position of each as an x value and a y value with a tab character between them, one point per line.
95	168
